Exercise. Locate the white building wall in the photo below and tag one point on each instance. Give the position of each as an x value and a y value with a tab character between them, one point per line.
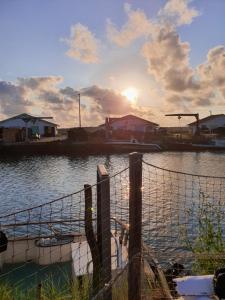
215	122
19	123
212	123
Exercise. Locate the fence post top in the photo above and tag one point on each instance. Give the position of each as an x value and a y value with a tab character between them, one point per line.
102	172
136	155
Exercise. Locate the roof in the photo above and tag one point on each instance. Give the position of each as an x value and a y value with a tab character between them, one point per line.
20	116
112	120
207	119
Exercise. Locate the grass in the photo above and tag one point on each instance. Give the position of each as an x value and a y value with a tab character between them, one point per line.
7	292
49	289
120	288
52	290
208	247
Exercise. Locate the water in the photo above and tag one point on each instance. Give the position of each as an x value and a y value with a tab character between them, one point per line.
30	181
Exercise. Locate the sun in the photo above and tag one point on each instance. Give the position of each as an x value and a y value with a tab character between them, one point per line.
131	93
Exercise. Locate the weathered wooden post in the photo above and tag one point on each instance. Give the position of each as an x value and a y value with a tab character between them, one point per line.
104	227
135	222
91	239
39	291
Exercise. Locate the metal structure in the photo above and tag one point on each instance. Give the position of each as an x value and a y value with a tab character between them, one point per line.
187	115
79	109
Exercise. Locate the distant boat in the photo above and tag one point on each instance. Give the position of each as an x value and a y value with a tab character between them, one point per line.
179	146
133	145
219	142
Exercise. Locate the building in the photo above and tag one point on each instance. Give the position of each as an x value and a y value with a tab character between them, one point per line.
131	123
129	127
210	124
29	126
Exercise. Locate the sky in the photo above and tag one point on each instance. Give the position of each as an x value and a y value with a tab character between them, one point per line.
141	57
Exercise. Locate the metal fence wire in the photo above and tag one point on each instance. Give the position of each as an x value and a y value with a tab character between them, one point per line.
183	222
126	237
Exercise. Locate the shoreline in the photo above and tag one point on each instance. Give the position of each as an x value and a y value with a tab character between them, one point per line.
69	148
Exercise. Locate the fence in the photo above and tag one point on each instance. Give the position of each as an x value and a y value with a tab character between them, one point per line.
126	237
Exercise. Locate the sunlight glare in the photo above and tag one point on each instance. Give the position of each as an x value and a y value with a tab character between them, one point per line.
131	93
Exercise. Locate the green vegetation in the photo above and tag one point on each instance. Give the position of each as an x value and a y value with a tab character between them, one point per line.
49	290
80	291
208	247
52	290
120	288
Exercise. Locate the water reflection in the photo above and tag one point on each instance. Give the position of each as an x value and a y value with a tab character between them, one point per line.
27	181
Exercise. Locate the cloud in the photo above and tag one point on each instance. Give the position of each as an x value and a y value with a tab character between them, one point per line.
39	83
52	97
83	45
167	58
168	62
44	95
212	72
13	98
70	92
174	13
107	101
136	26
166	55
37	93
177	12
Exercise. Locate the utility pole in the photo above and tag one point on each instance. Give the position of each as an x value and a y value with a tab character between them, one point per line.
79	110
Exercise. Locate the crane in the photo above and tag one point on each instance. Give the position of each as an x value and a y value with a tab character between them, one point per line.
187	115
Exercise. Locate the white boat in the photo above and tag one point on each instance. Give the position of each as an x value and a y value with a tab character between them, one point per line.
133	145
219	143
74	249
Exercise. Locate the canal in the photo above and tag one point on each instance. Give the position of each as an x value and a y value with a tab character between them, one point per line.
29	181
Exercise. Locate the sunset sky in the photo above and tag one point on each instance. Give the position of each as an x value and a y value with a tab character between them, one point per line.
143	57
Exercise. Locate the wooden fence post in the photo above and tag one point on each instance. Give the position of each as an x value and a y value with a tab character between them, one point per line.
135	222
39	291
104	227
92	242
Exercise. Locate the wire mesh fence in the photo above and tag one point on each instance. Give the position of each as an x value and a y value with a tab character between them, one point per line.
56	235
127	236
183	221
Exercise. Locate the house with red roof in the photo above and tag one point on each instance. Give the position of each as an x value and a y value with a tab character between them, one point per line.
128	127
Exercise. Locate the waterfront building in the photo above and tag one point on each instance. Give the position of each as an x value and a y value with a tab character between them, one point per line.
210	124
129	127
27	126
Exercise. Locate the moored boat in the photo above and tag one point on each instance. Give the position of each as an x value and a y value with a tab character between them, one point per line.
133	145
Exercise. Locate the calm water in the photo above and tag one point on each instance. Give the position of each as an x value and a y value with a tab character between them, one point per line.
28	181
